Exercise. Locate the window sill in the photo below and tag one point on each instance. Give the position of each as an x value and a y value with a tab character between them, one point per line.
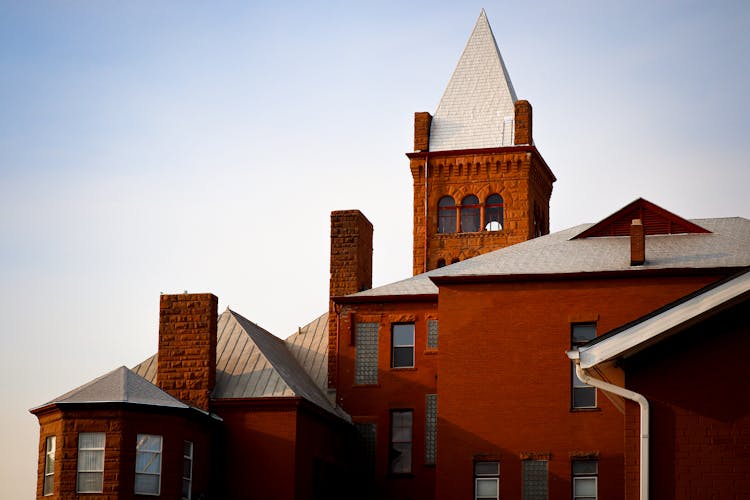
404	368
430	352
365	386
405	475
585	410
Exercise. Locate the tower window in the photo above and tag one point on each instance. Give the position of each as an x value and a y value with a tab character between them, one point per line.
470	214
493	213
446	215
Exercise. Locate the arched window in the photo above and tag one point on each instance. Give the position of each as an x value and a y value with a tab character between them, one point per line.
446	215
470	214
455	260
441	263
493	213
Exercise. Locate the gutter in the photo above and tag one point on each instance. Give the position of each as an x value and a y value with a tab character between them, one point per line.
627	394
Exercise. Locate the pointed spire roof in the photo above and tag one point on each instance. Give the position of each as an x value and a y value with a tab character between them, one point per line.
119	386
477	108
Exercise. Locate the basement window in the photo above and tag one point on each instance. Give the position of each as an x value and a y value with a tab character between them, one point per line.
486	480
584	479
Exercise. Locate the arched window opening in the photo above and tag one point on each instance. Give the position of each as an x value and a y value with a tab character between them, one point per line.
441	263
446	215
470	214
493	213
455	260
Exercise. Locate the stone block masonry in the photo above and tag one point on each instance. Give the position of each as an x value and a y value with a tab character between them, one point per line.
187	347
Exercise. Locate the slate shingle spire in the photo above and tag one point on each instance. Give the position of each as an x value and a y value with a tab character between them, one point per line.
477	108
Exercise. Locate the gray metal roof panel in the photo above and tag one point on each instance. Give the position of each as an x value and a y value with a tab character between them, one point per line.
120	386
310	347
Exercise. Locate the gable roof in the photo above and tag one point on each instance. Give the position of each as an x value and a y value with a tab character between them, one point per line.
676	317
478	106
121	385
655	219
726	244
253	363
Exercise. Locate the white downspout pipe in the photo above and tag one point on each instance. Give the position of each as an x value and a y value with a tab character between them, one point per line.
627	394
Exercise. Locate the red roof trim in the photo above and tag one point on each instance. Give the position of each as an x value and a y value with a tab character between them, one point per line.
656	220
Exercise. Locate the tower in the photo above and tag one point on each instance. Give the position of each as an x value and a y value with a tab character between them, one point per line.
479	182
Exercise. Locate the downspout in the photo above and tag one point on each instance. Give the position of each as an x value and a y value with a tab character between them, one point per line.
627	394
426	223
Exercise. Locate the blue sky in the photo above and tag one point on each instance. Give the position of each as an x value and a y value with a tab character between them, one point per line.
151	147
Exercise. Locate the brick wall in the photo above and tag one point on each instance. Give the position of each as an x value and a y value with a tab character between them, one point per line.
351	269
697	385
504	384
187	347
523	123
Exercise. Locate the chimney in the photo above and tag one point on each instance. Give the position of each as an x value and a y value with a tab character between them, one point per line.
637	243
523	123
422	122
186	366
351	270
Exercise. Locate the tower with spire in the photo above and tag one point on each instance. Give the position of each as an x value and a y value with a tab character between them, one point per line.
480	184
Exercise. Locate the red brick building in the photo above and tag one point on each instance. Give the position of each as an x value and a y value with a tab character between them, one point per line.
450	384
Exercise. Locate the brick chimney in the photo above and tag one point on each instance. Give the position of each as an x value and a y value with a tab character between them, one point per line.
637	243
422	123
187	347
351	270
523	123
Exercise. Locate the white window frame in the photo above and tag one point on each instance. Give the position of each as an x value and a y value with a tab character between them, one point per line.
48	484
587	476
577	384
155	458
90	471
187	458
485	477
402	345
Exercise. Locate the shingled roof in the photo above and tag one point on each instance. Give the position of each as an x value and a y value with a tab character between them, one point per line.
118	386
726	245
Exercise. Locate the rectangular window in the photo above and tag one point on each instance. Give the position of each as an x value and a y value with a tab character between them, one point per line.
366	358
432	334
400	456
582	395
187	470
49	465
90	462
430	426
486	480
402	355
534	480
584	479
148	464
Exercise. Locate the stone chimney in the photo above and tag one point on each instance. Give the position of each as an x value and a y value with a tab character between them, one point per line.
351	270
523	123
187	347
422	123
637	243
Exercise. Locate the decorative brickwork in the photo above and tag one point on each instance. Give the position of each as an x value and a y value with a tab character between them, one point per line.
523	123
517	173
187	347
351	270
422	121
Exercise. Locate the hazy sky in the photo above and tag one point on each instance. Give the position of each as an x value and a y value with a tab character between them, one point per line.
162	146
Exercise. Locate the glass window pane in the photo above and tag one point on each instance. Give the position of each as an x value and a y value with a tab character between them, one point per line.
90	460
91	440
584	397
90	482
583	332
584	467
487	468
401	458
148	442
147	484
584	486
487	488
403	357
403	335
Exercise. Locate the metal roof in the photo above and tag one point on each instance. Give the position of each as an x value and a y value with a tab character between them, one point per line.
649	330
477	109
119	386
253	363
728	245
